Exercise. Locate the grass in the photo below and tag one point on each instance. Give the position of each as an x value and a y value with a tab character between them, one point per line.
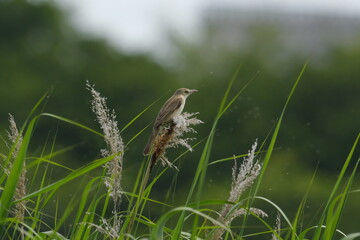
93	212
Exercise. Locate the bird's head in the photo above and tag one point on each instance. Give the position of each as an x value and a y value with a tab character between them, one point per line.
185	92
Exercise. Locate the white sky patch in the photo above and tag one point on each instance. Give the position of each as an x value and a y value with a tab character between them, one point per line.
139	25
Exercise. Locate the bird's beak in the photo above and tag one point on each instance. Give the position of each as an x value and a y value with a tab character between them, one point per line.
193	91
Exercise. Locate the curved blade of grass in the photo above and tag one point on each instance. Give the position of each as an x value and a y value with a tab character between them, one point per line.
335	188
65	214
210	202
272	142
61	151
271	230
77	173
84	231
83	200
72	123
301	209
30	233
147	199
199	178
36	106
141	113
145	194
303	233
227	92
36	213
336	207
204	159
52	235
232	158
158	229
351	236
12	180
40	160
241	205
132	207
276	132
136	185
278	209
136	135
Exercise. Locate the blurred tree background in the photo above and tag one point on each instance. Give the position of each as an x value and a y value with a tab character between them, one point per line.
40	50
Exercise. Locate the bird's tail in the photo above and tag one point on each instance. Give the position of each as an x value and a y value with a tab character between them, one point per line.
150	142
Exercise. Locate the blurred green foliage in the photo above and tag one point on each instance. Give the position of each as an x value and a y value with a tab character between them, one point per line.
40	50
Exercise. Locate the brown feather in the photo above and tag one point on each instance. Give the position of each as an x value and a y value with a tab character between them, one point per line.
172	107
167	111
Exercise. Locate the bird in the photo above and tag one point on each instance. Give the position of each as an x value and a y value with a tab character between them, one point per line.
172	107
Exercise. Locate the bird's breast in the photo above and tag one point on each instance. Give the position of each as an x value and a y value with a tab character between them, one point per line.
179	110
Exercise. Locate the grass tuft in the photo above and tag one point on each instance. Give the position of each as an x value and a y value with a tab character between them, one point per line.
93	210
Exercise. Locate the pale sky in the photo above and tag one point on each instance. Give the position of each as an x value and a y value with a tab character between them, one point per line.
139	25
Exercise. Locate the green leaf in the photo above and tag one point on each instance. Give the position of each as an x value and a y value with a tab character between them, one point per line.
77	173
335	188
12	180
272	143
158	229
72	123
351	236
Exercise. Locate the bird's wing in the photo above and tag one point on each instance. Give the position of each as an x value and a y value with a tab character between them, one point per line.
167	110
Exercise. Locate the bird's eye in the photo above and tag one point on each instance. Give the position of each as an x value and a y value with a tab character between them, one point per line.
186	91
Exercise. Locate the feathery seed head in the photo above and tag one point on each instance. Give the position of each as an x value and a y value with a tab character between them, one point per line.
171	136
20	191
242	178
113	140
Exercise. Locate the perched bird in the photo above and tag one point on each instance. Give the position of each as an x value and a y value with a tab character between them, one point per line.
172	108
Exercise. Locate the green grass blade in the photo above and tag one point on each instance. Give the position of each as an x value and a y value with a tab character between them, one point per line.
84	231
158	229
12	180
83	200
200	173
72	123
272	142
36	106
44	160
61	151
276	132
336	207
351	236
65	214
227	92
300	210
278	209
317	233
141	113
233	157
136	135
271	230
77	173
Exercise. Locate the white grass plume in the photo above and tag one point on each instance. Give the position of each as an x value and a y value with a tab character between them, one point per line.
115	146
107	229
242	178
278	227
